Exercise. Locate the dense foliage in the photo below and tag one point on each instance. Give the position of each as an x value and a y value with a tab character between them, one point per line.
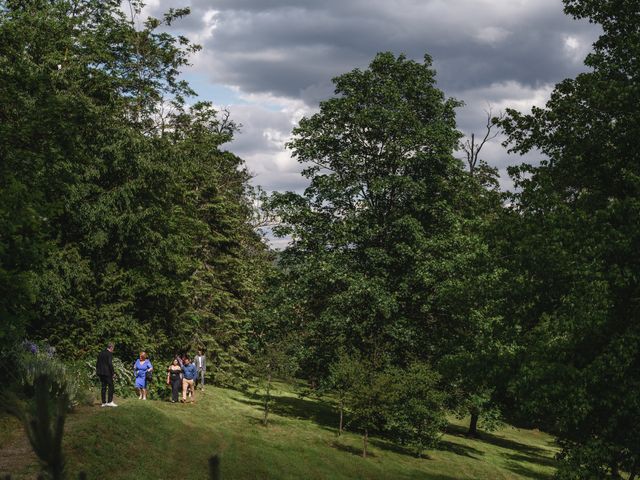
382	239
575	243
121	217
388	256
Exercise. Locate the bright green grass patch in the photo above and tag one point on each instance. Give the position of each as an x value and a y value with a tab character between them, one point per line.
159	440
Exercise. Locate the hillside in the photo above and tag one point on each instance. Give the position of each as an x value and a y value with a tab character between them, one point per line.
157	439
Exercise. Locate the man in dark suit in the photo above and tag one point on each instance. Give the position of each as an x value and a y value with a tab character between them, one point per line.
104	369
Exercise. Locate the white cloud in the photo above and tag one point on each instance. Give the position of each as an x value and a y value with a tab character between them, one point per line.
492	35
571	43
576	47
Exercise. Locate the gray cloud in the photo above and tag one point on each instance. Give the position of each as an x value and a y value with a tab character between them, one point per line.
497	52
261	144
285	47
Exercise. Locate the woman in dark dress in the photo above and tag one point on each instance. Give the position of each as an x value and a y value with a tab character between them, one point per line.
174	378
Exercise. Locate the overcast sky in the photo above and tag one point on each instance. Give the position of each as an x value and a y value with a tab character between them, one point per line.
271	61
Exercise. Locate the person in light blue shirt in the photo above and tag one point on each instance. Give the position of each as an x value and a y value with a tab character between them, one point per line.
189	374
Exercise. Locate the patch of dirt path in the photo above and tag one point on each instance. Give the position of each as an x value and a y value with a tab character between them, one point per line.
16	457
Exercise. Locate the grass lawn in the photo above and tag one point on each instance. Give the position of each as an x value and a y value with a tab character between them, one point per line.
161	440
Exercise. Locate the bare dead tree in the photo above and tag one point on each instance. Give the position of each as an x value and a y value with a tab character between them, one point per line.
472	147
225	124
261	215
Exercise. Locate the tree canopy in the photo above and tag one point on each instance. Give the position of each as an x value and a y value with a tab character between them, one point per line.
124	219
577	238
380	234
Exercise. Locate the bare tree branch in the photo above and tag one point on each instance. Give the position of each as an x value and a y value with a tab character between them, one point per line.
472	148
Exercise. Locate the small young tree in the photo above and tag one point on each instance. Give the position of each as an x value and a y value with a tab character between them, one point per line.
472	377
368	398
416	414
342	376
273	361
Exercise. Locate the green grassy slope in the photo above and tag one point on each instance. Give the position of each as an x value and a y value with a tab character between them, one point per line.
160	440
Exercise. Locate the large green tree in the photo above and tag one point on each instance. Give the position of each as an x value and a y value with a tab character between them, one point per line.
139	224
476	353
382	241
575	252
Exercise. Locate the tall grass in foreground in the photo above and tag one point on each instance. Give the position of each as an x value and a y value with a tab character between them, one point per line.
41	406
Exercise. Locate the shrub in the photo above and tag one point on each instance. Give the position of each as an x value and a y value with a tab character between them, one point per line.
42	363
416	415
84	392
158	388
405	404
122	380
343	374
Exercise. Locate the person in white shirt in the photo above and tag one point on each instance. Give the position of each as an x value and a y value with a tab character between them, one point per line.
201	366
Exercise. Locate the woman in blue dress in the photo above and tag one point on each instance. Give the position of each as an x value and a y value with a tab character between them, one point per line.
141	368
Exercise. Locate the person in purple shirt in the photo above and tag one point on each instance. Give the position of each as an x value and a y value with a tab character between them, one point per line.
189	374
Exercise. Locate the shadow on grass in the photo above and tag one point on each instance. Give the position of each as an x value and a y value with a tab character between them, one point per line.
519	454
443	446
350	449
273	422
297	408
326	417
392	447
321	414
533	458
407	475
458	449
498	441
527	472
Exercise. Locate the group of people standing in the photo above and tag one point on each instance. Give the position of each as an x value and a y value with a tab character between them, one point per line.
182	374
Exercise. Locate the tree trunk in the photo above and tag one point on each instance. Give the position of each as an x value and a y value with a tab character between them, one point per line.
365	438
267	397
266	411
473	424
341	416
